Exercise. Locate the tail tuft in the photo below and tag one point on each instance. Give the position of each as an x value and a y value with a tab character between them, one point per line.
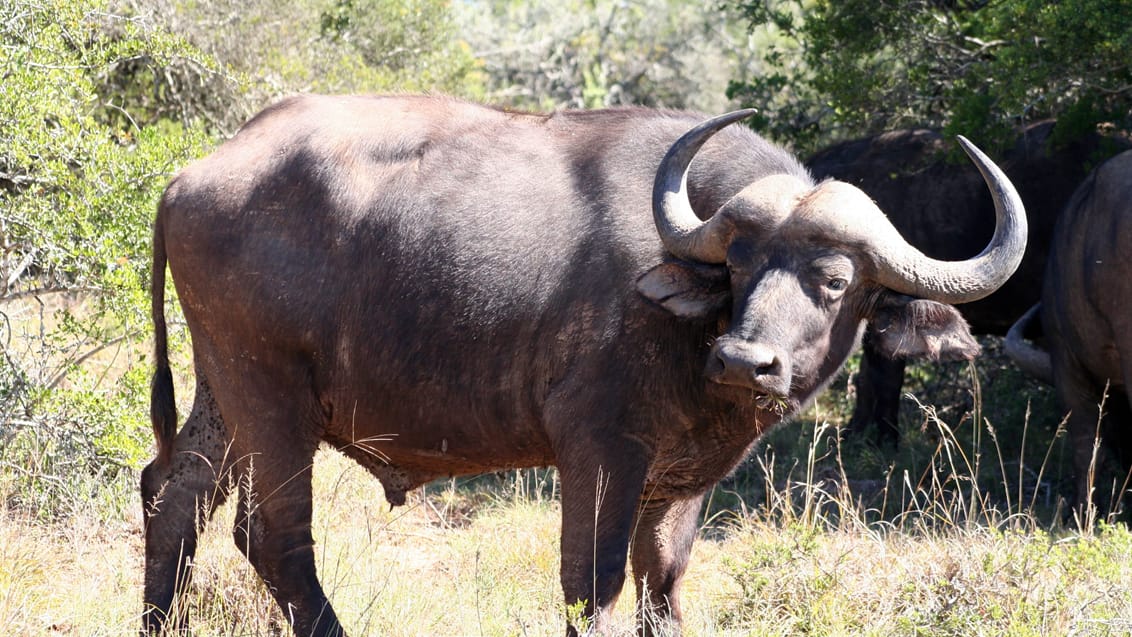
163	412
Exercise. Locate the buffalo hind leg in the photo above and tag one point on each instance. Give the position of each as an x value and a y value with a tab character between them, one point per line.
1118	434
599	500
1085	428
662	545
273	530
177	499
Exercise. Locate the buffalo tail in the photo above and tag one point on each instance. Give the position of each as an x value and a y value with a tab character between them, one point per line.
163	406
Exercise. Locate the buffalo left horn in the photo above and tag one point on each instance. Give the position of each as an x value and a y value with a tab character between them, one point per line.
974	278
846	214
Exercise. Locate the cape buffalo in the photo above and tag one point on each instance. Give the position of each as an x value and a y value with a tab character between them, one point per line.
439	288
943	208
1087	327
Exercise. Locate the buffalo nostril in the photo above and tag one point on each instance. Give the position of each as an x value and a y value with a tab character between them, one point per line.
769	369
760	358
744	362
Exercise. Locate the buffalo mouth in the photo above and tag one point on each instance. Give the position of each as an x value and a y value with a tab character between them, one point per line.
772	403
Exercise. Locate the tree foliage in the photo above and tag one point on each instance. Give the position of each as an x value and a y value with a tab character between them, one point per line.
89	133
592	53
275	48
977	67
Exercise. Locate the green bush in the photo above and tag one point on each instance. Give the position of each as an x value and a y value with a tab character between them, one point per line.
81	170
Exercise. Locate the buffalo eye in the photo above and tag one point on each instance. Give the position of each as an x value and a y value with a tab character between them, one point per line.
830	275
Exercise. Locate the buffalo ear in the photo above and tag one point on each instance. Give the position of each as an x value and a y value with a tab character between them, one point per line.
688	290
906	327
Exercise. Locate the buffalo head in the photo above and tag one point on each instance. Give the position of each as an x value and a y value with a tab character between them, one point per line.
802	265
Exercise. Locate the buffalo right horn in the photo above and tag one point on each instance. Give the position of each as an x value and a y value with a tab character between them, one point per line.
683	233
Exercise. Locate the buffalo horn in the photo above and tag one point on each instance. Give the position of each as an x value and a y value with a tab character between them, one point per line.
683	233
905	269
853	218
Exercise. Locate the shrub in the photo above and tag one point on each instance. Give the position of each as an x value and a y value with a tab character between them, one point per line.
80	174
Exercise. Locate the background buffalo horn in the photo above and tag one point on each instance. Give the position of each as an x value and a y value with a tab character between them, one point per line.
683	233
905	269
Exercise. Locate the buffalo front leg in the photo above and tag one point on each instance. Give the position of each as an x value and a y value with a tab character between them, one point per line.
1101	449
662	545
178	497
598	504
1084	430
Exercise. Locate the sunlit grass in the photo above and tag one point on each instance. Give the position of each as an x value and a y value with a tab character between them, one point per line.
808	538
77	575
781	569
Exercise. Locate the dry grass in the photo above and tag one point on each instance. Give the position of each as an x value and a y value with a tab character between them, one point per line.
808	553
468	560
76	576
966	582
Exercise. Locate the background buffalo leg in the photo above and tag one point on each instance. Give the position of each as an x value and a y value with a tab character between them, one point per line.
878	384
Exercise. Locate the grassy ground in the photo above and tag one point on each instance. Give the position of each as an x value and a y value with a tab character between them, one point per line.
957	534
436	567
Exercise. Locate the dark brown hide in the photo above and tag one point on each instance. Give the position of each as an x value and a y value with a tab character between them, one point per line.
1087	326
437	288
943	208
